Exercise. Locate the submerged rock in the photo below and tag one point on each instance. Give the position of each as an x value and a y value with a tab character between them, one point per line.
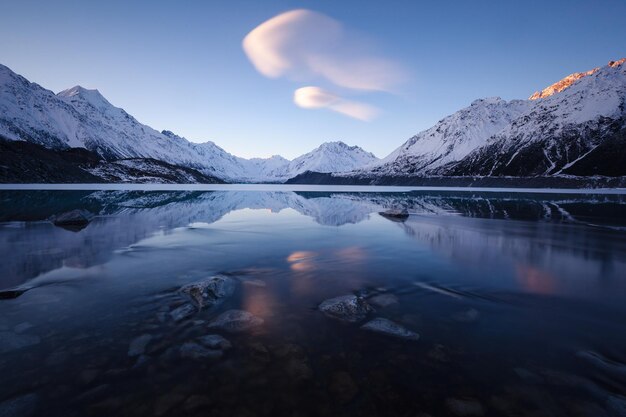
396	214
465	407
196	351
235	321
215	341
388	327
23	406
185	311
209	291
10	341
138	345
384	300
141	361
74	220
348	308
598	360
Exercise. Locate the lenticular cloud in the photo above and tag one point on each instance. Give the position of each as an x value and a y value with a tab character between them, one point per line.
318	98
306	45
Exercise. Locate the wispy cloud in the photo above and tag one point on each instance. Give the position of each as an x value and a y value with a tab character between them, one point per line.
304	45
318	98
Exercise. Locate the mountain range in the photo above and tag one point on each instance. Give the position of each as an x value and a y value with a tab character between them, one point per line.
573	128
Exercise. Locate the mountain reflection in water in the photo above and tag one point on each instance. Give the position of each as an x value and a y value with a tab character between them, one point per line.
518	300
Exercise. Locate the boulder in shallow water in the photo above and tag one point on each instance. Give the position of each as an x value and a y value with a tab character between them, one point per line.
138	345
348	308
388	327
215	341
196	351
10	341
209	291
74	220
185	311
609	365
235	321
395	214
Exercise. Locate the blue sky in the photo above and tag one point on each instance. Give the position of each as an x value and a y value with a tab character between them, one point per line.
181	66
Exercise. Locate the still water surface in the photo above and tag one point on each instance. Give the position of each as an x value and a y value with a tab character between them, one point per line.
519	301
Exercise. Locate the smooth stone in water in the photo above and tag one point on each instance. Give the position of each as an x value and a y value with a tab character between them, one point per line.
215	341
384	300
235	321
598	360
348	308
183	312
141	361
138	345
10	341
388	327
209	291
396	214
193	350
74	220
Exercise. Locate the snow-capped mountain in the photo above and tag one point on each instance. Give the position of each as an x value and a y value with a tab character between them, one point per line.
576	126
329	157
452	138
82	118
580	130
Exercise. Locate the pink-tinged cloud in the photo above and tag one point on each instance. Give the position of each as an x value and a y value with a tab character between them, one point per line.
303	44
318	98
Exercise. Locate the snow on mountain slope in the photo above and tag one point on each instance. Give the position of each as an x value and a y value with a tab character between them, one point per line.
452	138
330	157
561	131
78	117
581	116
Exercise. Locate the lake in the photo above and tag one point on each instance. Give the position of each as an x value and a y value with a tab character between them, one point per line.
309	302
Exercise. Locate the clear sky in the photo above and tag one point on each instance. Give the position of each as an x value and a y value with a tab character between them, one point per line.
180	65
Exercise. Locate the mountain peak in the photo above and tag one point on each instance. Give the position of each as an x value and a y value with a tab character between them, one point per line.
486	100
91	96
334	144
571	79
